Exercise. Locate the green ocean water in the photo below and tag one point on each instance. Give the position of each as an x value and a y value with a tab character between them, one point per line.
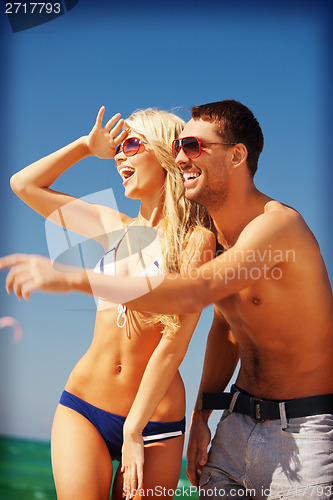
26	474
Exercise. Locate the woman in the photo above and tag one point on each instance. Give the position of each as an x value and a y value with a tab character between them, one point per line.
131	367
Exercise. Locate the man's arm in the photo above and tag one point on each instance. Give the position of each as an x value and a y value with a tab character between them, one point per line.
270	234
261	247
220	362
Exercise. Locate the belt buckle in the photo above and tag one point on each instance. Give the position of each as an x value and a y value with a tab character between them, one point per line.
255	409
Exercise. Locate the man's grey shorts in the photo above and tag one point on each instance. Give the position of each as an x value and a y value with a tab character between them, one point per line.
271	459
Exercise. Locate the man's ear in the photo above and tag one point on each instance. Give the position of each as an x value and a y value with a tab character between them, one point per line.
239	155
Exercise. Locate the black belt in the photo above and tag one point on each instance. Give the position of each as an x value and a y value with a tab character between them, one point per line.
265	409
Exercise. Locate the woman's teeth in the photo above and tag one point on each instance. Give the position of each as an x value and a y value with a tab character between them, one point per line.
126	172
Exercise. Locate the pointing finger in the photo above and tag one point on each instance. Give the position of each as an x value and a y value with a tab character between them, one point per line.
12	260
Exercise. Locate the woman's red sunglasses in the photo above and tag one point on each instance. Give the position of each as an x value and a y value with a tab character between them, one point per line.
192	146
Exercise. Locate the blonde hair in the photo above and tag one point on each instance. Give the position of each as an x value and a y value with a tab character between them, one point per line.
180	215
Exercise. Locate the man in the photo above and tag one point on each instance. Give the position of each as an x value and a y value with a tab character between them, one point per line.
272	310
280	317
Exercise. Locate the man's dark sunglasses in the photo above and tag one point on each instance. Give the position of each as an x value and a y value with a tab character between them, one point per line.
192	146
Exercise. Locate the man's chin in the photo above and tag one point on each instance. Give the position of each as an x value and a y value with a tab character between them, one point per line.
192	195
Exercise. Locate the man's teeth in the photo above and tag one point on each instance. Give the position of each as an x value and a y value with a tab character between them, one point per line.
190	175
126	172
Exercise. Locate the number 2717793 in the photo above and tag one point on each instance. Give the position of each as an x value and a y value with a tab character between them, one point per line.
32	8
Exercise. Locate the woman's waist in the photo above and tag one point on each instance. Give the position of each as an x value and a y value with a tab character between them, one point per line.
114	389
99	368
112	354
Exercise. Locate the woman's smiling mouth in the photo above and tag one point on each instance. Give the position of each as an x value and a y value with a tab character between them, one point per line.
126	172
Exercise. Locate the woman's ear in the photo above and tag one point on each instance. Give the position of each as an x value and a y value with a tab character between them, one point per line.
239	155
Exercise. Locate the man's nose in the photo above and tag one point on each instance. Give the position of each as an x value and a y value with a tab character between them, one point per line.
181	158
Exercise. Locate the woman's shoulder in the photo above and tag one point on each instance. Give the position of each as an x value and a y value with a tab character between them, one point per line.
200	247
202	235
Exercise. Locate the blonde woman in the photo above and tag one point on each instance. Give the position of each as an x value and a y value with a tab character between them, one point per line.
129	375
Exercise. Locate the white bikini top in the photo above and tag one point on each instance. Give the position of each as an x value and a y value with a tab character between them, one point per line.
107	265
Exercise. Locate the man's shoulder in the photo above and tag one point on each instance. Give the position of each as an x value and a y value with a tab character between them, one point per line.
283	215
291	226
281	208
279	225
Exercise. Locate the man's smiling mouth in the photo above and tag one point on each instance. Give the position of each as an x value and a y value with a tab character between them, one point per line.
190	177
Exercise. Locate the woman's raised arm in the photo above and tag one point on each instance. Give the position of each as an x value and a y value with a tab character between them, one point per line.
32	184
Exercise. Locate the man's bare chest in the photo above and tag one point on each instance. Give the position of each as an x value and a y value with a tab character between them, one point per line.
256	307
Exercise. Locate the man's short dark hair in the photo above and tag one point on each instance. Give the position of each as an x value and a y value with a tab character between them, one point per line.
236	123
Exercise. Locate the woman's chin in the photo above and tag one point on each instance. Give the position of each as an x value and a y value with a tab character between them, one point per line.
131	195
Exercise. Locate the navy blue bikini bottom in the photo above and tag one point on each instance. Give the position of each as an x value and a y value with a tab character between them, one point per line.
110	426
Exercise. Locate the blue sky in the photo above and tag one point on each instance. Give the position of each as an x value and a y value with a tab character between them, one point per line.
55	77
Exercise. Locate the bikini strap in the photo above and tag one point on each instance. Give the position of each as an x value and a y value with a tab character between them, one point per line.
121	237
115	246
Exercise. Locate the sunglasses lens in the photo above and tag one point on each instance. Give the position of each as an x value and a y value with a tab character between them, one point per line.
175	147
191	147
118	148
131	146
